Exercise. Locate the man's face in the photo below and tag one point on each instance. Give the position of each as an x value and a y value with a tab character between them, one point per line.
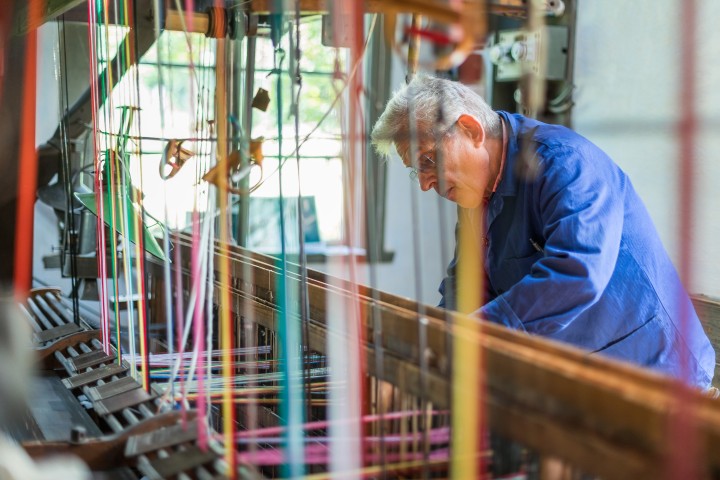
457	167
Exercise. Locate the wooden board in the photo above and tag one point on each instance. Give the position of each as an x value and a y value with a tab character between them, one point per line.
86	378
90	359
110	389
56	332
51	9
604	417
178	462
708	310
119	402
162	438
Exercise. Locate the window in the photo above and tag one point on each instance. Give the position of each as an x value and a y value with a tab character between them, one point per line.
319	178
174	85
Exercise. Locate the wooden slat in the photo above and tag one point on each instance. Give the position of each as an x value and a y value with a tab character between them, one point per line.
113	388
43	290
56	332
116	403
90	359
163	438
708	310
178	462
51	10
94	375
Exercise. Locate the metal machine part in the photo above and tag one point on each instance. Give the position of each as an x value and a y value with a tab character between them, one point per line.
542	52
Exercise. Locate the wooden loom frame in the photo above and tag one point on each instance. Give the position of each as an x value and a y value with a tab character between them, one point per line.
605	417
602	416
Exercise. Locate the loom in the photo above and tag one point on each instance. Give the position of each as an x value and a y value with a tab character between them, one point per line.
246	365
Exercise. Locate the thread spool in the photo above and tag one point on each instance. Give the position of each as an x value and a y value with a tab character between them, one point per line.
217	22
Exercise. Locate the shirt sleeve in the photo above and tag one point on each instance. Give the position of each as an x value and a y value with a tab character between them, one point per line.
580	199
448	286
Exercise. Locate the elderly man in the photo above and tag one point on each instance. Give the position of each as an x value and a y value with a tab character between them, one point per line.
570	251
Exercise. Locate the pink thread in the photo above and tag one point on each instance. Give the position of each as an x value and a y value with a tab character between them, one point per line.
269	431
436	436
319	455
682	462
99	226
199	333
179	327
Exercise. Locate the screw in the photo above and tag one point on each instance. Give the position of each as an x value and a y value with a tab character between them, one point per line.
78	434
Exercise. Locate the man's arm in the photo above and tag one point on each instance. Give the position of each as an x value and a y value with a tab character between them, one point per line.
580	198
448	289
448	286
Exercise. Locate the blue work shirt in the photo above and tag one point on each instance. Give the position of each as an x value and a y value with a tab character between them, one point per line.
572	254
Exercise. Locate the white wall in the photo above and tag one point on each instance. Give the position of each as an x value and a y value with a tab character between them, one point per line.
627	72
48	85
46	237
420	259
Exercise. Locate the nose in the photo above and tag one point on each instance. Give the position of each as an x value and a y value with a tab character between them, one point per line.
427	181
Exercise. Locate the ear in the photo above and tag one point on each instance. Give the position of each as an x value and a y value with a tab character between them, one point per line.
472	128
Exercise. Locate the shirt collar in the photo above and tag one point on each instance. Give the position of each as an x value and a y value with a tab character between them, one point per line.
502	156
508	181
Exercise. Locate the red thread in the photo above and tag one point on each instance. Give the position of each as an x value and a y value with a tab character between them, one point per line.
27	171
433	36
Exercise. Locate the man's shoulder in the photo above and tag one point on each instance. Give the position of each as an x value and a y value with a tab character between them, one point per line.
550	135
548	151
557	144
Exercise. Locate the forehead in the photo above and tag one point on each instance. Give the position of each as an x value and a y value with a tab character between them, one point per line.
403	148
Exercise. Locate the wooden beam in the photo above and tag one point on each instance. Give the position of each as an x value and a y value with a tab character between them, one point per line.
180	21
708	310
435	10
105	453
438	11
52	10
45	356
602	416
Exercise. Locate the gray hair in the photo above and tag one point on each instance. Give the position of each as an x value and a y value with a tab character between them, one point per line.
436	104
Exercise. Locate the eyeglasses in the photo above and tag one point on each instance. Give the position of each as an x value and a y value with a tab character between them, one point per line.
425	164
